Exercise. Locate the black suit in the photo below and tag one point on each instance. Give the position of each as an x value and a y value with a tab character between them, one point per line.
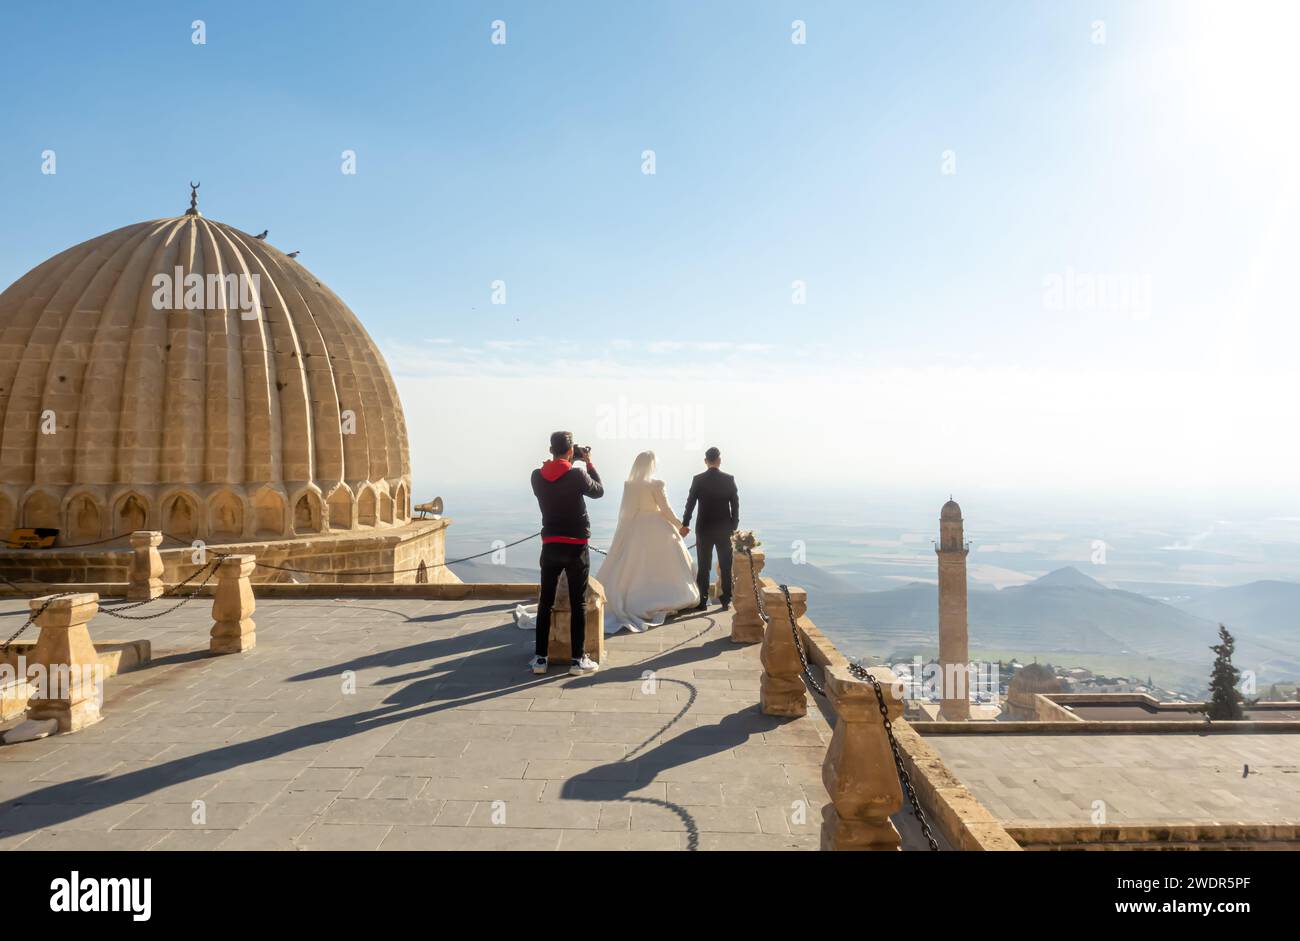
719	517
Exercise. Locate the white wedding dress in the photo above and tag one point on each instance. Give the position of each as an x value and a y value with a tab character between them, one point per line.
647	574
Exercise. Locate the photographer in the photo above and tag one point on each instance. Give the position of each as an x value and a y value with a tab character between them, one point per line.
560	489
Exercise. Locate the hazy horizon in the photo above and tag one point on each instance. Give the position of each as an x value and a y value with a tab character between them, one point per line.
882	541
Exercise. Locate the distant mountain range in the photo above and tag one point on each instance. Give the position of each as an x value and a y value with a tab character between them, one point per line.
1266	608
1069	617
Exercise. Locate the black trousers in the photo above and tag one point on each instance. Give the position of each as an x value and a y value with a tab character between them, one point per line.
705	544
575	562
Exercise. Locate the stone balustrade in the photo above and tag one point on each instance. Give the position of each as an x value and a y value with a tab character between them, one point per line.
146	566
746	623
859	771
781	687
69	677
559	647
233	604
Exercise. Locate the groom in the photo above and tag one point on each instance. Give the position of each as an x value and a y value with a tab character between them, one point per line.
719	516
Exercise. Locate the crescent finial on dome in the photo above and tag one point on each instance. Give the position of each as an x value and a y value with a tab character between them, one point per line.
194	200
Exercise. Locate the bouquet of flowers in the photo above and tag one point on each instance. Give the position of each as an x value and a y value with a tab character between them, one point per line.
743	540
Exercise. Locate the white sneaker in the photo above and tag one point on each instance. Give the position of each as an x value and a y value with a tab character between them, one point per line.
538	665
583	666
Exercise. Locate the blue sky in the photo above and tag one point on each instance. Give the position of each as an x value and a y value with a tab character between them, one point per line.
1162	159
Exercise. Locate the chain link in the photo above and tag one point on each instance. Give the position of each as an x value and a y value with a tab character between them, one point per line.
798	644
211	568
360	572
32	619
858	673
758	595
794	626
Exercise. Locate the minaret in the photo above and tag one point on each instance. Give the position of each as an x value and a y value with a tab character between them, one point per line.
954	652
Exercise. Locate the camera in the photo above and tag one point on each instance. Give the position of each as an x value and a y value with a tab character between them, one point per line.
581	452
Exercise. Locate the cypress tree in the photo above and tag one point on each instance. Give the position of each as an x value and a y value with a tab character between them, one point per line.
1225	698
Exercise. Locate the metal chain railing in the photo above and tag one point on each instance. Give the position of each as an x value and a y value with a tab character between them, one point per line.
860	673
426	567
32	618
10	544
798	644
758	595
346	572
211	568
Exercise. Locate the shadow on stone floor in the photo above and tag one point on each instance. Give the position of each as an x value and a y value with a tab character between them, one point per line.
489	656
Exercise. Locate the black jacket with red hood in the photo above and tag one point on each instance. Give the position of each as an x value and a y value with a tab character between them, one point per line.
560	488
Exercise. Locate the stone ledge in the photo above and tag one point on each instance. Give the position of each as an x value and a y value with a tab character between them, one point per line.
447	591
322	555
962	820
1065	835
1100	727
1046	706
819	647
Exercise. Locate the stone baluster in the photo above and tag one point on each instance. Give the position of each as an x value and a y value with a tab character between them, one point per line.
233	629
746	624
70	690
859	772
146	566
781	688
559	645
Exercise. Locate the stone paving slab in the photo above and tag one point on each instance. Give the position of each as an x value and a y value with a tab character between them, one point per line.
403	724
1171	778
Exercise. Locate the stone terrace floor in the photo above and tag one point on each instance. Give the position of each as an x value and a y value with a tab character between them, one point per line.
448	742
1170	778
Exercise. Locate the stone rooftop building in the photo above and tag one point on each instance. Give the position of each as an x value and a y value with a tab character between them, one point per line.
1029	681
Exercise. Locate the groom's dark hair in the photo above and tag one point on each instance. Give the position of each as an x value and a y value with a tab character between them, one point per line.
561	441
712	455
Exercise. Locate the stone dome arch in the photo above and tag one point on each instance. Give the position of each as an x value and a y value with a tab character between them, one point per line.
402	502
367	505
41	508
308	513
8	515
228	514
342	507
183	513
131	511
85	515
383	504
270	513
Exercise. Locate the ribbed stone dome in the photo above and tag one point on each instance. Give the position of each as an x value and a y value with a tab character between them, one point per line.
131	399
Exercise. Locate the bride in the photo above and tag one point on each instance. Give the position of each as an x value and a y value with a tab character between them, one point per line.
647	574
